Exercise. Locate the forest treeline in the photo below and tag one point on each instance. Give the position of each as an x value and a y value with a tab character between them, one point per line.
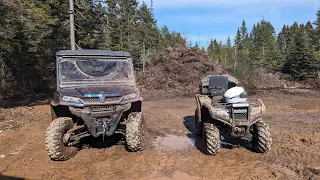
32	31
294	51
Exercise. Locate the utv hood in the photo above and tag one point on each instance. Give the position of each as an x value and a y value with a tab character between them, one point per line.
107	91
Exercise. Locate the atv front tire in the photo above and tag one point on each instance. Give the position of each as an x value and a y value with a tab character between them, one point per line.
261	137
135	132
197	125
56	148
211	139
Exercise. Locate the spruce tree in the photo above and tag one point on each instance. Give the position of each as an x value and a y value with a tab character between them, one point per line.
303	57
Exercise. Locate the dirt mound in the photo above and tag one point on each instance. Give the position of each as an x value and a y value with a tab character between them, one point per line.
179	69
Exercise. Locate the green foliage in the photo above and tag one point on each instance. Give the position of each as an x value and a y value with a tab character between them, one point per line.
32	31
294	51
170	39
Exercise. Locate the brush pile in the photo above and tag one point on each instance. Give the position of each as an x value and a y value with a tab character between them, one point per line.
178	69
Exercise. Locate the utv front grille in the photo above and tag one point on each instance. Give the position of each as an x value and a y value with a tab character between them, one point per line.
101	108
96	100
90	100
112	99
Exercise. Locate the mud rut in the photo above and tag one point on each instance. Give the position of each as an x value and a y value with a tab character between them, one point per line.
173	152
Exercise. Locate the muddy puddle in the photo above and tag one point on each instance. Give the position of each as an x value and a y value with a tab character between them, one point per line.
179	175
173	142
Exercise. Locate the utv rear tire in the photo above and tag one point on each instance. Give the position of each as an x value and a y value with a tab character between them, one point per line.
261	137
211	139
135	132
197	125
54	139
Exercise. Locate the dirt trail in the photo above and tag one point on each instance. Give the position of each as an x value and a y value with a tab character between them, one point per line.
174	152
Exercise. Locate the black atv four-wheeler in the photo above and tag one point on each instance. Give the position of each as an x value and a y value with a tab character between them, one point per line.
217	119
96	96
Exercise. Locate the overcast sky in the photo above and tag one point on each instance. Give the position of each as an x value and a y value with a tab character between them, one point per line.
203	19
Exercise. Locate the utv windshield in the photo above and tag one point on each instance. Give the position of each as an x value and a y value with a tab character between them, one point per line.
94	70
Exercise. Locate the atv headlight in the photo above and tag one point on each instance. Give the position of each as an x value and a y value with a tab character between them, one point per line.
70	99
130	96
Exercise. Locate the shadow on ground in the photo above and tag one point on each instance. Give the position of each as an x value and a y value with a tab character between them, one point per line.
3	177
189	124
99	143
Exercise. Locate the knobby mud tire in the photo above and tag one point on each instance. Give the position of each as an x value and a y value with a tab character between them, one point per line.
211	139
135	132
261	137
54	145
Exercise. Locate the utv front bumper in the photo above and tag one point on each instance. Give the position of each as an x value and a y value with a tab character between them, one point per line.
101	120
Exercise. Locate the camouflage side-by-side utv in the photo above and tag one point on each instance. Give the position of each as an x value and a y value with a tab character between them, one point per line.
221	115
96	96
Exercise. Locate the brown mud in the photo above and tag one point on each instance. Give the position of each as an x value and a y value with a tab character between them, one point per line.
173	152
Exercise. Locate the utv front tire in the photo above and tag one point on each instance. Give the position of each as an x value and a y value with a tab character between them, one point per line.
261	137
135	132
56	148
211	139
197	125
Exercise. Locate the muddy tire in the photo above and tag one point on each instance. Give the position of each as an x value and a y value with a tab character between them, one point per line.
261	137
54	144
135	132
211	139
197	125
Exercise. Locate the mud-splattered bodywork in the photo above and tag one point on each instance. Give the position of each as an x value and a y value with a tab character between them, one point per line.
97	87
238	117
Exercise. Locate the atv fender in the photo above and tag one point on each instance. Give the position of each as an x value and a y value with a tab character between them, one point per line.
222	114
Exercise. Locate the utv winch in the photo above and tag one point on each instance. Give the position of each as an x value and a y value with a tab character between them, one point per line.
96	96
223	112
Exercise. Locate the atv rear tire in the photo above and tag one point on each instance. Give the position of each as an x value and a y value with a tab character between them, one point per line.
197	125
56	148
211	139
261	137
135	132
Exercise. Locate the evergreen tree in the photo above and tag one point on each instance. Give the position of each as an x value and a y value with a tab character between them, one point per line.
210	47
89	24
303	60
113	35
283	42
237	40
244	35
168	39
147	30
229	53
265	50
316	36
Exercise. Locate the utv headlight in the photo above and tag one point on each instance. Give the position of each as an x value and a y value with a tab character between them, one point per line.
70	99
130	96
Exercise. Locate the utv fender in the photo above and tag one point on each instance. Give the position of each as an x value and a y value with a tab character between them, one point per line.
59	111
